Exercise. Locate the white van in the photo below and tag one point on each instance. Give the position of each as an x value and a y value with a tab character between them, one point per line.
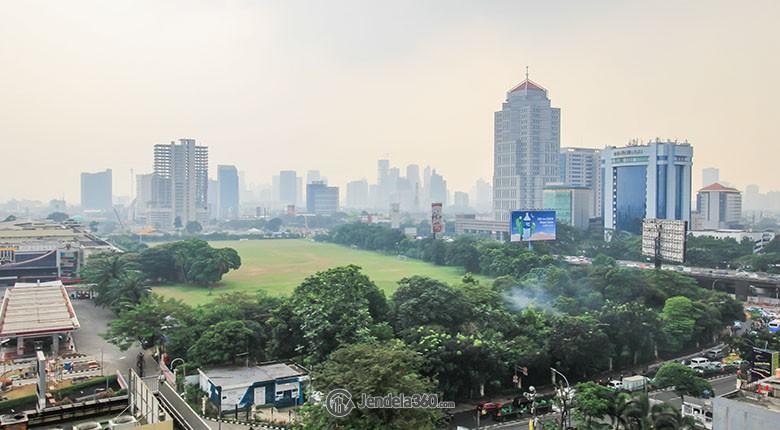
699	362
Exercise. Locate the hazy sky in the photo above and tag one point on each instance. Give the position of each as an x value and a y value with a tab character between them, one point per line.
335	85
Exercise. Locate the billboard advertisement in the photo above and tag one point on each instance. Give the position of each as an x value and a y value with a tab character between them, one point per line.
664	238
437	222
531	226
763	364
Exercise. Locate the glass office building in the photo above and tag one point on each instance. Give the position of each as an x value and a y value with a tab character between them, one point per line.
651	180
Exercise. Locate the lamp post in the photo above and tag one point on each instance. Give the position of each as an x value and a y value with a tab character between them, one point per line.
184	372
564	395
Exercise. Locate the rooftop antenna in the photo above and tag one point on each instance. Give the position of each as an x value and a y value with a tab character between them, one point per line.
526	73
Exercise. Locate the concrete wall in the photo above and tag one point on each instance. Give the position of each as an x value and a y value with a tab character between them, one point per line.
731	414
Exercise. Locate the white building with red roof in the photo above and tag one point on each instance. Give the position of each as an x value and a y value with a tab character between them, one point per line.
719	207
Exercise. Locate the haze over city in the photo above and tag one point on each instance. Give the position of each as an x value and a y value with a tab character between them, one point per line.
337	85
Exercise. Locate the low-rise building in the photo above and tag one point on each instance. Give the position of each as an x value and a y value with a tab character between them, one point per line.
45	250
572	204
275	385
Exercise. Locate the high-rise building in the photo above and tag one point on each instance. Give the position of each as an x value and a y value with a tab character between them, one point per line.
213	199
438	188
312	175
227	176
719	207
581	167
288	187
482	195
709	176
526	149
322	199
415	186
382	182
651	180
460	199
180	184
752	198
357	194
143	196
96	191
572	204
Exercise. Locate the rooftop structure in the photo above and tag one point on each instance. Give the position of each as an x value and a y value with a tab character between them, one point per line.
37	309
265	385
753	406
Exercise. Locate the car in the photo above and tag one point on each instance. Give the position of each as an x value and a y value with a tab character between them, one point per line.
615	384
716	353
698	362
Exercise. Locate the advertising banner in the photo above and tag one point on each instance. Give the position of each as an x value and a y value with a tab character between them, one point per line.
437	222
532	226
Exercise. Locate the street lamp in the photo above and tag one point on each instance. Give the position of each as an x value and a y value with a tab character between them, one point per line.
564	395
184	373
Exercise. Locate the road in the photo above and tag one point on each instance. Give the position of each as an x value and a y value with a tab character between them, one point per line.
94	321
721	385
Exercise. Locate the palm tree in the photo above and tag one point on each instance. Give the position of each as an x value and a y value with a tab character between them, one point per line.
101	270
129	289
666	417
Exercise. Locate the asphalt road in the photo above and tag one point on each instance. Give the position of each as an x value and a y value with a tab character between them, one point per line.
94	321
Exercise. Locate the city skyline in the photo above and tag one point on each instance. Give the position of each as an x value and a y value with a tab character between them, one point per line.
256	93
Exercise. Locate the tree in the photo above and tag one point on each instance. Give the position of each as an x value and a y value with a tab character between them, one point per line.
177	222
683	379
128	289
103	270
148	321
336	307
93	226
679	321
58	216
622	321
425	301
593	401
194	227
221	343
579	345
376	369
274	224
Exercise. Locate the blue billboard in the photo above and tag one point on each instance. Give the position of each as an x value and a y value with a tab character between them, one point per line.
530	226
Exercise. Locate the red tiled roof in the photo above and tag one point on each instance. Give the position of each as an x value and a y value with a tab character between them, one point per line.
527	85
718	187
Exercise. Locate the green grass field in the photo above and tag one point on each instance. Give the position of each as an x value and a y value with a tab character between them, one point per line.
278	266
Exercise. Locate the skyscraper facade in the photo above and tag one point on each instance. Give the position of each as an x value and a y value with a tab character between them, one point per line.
526	149
228	182
357	194
651	180
180	184
96	191
322	199
571	203
581	167
438	188
288	187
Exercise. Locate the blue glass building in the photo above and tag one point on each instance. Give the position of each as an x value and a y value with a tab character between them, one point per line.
651	180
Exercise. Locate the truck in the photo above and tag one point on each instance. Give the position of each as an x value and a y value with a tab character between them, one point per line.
634	383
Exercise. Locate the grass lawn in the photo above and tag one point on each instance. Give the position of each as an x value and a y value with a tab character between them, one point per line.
278	266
